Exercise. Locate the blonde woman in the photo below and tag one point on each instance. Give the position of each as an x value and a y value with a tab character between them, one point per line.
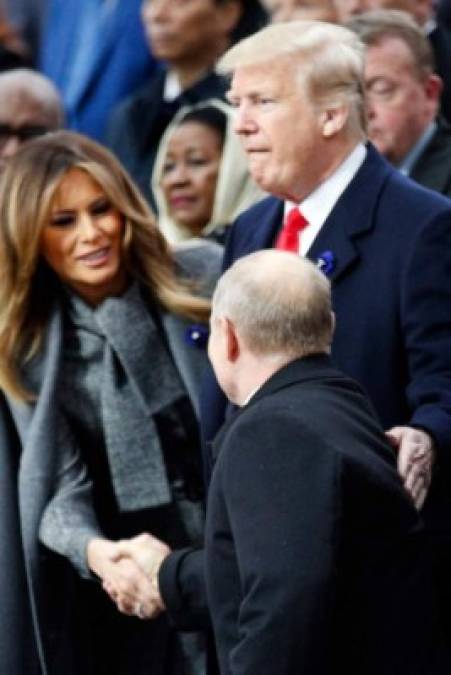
100	358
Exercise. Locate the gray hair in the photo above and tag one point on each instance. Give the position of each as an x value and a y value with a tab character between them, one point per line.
375	26
39	89
279	302
329	59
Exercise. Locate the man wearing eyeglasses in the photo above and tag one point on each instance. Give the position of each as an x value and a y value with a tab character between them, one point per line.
403	98
29	106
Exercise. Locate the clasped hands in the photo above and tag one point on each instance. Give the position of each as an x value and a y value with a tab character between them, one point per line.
416	455
129	570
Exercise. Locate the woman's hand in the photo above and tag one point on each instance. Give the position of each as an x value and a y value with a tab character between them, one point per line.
124	581
148	553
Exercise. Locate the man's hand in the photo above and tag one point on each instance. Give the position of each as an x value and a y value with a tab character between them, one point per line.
125	582
416	456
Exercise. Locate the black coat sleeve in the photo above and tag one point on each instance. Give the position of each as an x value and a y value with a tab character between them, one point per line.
182	586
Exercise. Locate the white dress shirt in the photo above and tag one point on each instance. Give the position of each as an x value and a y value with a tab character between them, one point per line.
318	205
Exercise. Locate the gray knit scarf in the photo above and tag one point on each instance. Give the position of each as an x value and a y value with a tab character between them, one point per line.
137	380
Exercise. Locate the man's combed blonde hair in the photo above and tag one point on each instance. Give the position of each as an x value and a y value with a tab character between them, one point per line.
28	286
329	58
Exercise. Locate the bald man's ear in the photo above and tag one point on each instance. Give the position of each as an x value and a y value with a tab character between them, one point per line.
333	120
333	323
232	341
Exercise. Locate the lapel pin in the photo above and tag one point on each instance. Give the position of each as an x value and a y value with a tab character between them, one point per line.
326	262
197	335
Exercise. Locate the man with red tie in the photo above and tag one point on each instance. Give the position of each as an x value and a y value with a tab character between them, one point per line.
298	90
384	242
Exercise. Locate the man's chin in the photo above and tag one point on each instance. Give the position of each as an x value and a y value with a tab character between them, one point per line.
262	179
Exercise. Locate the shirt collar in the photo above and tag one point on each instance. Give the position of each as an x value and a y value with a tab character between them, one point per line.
317	206
172	87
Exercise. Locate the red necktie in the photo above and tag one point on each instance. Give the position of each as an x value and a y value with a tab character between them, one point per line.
288	238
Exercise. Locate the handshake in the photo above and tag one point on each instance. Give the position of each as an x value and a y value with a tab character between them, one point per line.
129	570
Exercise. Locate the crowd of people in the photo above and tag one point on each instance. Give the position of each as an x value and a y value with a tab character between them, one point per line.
225	337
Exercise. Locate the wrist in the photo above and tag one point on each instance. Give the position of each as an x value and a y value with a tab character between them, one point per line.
154	574
97	553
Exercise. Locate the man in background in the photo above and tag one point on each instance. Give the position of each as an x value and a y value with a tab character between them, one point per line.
30	105
403	98
188	37
96	53
294	10
423	12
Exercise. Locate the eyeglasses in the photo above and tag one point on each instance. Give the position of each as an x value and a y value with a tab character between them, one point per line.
23	134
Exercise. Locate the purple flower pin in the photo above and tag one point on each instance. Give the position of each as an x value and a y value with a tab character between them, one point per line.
197	335
326	262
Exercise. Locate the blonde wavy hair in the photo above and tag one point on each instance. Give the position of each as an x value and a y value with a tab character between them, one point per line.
329	61
28	286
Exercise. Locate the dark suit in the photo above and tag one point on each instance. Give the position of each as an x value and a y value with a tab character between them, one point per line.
313	553
391	290
433	167
137	125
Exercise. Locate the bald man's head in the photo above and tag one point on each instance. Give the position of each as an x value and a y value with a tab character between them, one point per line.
29	106
279	303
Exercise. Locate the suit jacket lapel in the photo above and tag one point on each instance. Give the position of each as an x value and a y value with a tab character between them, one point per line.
264	235
352	216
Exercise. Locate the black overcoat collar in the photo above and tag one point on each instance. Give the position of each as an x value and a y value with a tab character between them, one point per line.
313	367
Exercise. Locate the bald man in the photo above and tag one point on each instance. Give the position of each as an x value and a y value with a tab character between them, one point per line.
30	105
313	552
